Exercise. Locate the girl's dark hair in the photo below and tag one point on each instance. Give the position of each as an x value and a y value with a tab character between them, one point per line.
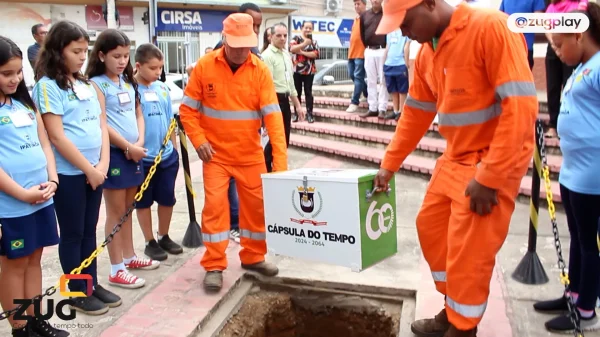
266	42
593	14
109	40
50	61
147	52
8	51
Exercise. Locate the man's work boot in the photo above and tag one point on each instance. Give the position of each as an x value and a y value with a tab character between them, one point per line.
454	332
264	268
431	327
213	281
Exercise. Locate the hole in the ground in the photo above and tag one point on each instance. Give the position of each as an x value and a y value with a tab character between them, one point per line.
267	313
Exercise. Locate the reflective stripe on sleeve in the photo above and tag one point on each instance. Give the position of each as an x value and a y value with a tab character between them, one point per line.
217	237
192	103
439	276
270	108
421	105
253	235
470	117
515	89
467	310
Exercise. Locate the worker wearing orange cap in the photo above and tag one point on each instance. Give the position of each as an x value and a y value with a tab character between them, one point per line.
229	91
473	72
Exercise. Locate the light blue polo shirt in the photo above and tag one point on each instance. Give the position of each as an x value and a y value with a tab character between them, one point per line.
157	110
579	129
80	117
396	42
120	106
21	157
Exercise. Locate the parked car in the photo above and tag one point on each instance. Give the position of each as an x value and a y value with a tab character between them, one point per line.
175	84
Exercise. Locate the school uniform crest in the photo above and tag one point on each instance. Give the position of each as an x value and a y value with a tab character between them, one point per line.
104	85
586	72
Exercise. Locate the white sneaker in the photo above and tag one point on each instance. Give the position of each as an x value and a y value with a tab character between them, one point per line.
352	108
234	235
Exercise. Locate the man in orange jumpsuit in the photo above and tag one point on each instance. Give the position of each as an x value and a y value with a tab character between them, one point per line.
473	72
229	92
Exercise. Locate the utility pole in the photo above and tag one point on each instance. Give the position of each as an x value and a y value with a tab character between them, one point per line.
111	22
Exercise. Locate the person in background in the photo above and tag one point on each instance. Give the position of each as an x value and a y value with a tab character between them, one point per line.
279	62
305	51
235	106
157	110
395	70
111	73
557	72
28	181
39	33
579	122
375	48
267	38
77	128
524	6
208	50
356	58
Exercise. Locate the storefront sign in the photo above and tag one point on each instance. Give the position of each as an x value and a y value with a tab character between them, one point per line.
95	18
190	20
328	32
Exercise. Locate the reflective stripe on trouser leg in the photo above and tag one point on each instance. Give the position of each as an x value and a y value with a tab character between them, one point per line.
473	243
252	216
215	216
432	228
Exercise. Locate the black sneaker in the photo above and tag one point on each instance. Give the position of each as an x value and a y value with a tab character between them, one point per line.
557	306
154	251
44	329
112	300
169	245
89	305
563	324
24	331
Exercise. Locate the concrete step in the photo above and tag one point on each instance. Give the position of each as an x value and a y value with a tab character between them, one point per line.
419	165
428	146
339	117
345	92
341	103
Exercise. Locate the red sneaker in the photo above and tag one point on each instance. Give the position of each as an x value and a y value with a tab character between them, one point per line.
125	279
142	263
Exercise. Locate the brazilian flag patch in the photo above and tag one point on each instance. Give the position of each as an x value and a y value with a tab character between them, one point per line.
5	120
115	172
17	244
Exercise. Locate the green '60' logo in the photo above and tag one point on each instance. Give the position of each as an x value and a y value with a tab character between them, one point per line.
384	220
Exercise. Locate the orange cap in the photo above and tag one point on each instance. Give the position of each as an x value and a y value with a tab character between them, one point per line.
394	12
239	32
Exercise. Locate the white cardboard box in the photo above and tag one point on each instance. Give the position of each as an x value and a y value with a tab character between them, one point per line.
330	216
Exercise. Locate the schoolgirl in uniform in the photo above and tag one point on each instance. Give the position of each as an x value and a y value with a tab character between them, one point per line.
77	130
578	129
111	72
28	181
156	107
